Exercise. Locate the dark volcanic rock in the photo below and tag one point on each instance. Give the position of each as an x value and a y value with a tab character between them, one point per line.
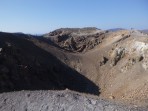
24	66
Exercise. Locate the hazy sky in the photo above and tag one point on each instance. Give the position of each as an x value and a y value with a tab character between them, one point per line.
41	16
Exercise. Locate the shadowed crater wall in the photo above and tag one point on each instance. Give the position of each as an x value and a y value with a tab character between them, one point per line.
24	66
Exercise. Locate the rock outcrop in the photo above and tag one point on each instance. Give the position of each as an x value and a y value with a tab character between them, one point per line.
76	40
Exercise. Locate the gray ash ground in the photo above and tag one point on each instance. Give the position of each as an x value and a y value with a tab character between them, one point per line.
57	101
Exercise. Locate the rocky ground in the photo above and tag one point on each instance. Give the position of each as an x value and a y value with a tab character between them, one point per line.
117	63
110	64
75	39
58	101
24	66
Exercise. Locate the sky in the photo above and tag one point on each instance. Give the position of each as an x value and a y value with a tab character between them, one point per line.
42	16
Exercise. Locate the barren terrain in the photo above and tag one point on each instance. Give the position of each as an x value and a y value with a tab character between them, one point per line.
117	61
110	64
58	101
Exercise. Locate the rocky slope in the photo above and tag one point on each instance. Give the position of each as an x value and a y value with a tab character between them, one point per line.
118	64
75	39
24	66
111	64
